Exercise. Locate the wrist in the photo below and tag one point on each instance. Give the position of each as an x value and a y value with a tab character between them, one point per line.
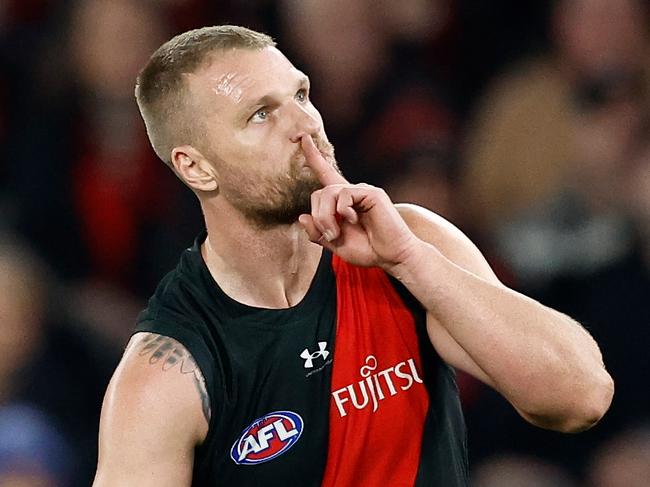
410	260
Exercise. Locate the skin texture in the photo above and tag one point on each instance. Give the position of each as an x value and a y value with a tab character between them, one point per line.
543	362
152	417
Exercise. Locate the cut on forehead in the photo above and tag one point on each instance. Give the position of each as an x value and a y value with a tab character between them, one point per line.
243	77
229	84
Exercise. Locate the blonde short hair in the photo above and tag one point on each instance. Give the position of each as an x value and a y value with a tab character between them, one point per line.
161	89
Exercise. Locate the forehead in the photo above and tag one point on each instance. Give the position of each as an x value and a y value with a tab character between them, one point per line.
239	75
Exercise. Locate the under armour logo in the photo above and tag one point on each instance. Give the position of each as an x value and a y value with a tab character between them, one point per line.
309	357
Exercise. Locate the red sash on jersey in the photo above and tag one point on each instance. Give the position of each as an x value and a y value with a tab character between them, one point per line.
378	402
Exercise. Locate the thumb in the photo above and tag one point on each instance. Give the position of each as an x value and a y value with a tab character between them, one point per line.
307	223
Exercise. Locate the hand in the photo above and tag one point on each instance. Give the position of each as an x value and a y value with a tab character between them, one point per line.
358	222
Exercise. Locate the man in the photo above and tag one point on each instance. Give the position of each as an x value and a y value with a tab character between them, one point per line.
304	339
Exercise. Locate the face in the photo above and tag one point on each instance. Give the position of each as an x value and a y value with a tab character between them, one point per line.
255	108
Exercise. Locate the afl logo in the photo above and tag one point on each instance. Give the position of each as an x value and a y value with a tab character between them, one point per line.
266	438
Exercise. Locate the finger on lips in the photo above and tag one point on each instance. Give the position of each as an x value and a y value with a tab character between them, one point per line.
324	171
326	204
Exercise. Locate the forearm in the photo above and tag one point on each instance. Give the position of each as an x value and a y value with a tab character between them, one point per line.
542	361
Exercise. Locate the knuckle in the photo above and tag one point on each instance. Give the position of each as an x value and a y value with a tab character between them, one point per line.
371	188
379	192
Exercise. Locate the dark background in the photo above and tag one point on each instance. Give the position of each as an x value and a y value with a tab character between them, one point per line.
525	123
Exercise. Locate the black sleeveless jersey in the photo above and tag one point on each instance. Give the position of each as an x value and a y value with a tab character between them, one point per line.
343	389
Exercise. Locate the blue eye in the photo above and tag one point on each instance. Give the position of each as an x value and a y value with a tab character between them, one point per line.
301	95
260	116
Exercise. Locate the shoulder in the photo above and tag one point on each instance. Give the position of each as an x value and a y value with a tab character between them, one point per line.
179	325
447	238
158	383
184	279
152	417
179	298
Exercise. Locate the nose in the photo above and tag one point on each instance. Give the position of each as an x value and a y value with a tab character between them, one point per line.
307	121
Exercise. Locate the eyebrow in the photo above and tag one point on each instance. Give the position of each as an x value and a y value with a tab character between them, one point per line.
270	99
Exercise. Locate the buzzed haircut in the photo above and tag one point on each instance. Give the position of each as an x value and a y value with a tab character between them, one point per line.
161	89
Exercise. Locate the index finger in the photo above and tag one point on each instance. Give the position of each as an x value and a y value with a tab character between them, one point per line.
325	172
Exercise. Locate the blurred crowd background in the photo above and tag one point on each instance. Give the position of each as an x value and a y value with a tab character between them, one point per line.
527	124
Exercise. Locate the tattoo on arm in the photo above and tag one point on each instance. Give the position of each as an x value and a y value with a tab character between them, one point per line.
171	353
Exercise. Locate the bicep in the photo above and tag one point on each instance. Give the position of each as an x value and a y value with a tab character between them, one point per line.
134	457
152	418
456	247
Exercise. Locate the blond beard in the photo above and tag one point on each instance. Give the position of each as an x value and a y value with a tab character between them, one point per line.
279	200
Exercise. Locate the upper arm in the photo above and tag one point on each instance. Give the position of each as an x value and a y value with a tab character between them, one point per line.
153	416
448	239
458	248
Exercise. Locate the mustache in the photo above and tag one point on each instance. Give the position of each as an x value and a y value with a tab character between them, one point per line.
325	147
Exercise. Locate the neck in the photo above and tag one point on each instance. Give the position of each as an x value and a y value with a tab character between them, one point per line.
268	268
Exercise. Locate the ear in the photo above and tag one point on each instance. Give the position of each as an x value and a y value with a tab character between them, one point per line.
194	169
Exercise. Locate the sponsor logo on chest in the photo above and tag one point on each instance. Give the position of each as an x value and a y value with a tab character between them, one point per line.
375	387
267	437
